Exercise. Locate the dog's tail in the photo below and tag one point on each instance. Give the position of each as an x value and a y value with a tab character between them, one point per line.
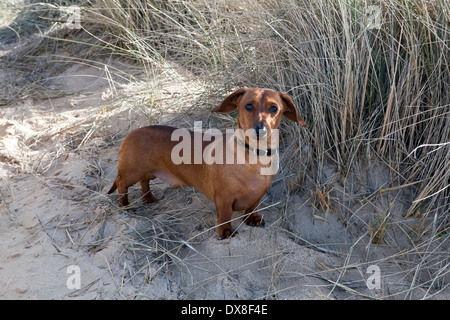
113	188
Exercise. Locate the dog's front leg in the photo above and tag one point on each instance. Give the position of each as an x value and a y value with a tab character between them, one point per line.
224	209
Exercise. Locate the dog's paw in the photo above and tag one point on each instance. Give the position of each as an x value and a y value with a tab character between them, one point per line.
226	233
255	220
150	198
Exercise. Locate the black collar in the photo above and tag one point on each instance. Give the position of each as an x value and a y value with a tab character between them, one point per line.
258	152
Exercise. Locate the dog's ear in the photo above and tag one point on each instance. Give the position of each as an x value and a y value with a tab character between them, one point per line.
290	111
231	102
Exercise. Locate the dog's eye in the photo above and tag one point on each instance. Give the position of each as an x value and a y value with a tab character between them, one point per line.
273	109
249	107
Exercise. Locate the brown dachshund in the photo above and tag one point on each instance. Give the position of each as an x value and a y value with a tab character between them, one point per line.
226	168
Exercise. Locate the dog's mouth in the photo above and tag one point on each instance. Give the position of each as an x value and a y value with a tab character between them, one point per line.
259	138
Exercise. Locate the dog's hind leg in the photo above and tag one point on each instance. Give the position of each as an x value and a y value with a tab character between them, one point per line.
146	192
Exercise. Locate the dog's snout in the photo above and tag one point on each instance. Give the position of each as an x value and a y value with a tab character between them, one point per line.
261	131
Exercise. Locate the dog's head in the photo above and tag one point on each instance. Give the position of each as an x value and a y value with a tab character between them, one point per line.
260	110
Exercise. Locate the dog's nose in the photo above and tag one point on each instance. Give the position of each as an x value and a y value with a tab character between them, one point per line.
261	131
